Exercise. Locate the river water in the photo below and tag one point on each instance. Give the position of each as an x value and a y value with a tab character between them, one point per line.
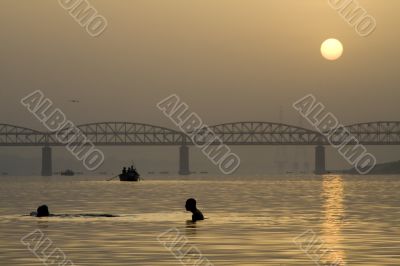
270	220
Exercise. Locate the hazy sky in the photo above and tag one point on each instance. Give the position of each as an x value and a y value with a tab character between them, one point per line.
230	60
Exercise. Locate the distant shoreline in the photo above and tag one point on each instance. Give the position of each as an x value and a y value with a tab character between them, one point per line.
389	168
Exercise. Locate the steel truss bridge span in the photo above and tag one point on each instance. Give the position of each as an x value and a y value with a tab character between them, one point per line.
237	133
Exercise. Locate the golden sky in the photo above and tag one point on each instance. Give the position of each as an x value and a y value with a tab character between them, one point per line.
249	56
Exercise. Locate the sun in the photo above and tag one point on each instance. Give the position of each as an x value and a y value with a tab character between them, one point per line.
332	49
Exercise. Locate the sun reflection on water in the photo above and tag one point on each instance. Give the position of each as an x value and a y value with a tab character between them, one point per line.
333	191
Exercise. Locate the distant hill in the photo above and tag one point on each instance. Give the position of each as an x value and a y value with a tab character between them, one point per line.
389	168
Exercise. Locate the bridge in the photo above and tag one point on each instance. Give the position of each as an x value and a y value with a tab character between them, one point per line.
231	134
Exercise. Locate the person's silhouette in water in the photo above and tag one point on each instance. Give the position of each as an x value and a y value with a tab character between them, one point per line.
42	211
191	207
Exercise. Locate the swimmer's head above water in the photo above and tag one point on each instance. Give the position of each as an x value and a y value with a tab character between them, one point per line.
42	211
191	206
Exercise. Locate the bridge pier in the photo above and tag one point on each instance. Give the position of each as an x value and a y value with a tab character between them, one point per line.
320	163
47	169
184	160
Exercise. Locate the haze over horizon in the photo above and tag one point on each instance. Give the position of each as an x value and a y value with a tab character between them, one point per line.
230	60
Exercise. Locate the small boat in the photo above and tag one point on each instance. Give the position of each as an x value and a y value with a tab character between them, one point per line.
129	177
128	174
68	172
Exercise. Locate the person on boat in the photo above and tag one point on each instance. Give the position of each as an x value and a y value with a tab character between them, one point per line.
191	207
124	171
42	211
134	172
129	170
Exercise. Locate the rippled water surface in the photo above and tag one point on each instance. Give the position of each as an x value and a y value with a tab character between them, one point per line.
272	220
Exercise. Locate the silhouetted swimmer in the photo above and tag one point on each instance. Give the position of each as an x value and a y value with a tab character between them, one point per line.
191	207
42	211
